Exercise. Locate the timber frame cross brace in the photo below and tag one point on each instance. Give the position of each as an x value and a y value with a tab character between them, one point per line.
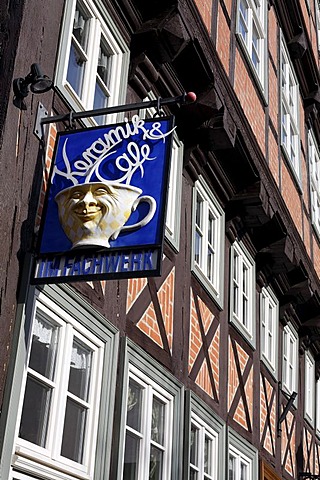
42	115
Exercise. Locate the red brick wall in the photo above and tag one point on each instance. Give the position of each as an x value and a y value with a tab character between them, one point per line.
269	439
205	9
223	40
51	139
249	101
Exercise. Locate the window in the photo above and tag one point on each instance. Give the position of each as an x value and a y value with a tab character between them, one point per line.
208	240
289	111
242	291
317	409
310	380
63	391
206	442
92	59
269	328
242	459
251	29
314	171
290	359
173	215
152	421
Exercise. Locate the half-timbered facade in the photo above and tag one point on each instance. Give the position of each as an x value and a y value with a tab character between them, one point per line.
211	370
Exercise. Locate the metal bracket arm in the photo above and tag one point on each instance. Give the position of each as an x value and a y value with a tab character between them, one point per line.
181	99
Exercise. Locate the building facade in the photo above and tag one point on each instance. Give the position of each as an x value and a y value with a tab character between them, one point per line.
211	370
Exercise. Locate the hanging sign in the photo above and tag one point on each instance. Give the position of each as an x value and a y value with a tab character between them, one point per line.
105	206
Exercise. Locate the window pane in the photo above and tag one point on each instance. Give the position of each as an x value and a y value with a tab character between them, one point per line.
194	445
35	412
232	467
80	370
103	66
157	426
208	455
197	249
131	457
156	461
81	26
199	207
193	474
243	471
74	431
44	347
100	101
134	405
75	70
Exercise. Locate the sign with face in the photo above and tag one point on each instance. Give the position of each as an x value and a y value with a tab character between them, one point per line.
105	207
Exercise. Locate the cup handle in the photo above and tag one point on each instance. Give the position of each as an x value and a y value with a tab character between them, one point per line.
152	210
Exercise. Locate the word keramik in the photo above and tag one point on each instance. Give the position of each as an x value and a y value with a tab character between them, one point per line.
101	149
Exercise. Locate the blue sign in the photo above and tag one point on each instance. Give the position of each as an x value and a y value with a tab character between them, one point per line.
106	201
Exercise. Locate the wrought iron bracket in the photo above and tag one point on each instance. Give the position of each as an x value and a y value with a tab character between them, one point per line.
43	119
282	416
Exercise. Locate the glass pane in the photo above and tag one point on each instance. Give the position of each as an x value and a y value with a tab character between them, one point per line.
104	64
134	405
243	471
197	248
155	469
35	412
194	445
81	26
100	101
74	431
193	474
208	455
80	370
44	347
157	425
232	467
199	211
131	457
76	69
211	231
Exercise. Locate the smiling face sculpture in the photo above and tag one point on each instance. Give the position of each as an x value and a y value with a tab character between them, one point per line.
92	213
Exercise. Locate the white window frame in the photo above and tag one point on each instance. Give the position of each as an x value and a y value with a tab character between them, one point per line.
310	385
144	370
252	17
269	326
207	424
61	306
318	409
50	453
203	432
173	214
152	390
244	454
314	175
241	264
210	207
289	92
290	359
101	26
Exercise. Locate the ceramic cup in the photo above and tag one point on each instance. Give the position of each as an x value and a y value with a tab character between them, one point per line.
93	213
